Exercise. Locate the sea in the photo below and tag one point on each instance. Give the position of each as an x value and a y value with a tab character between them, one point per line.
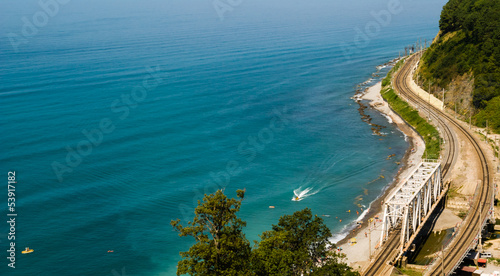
118	116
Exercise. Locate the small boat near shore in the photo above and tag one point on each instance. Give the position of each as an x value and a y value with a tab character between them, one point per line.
296	198
27	250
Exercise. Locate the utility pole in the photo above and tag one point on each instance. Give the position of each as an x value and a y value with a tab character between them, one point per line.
443	99
470	119
455	107
439	142
429	108
480	222
486	136
370	241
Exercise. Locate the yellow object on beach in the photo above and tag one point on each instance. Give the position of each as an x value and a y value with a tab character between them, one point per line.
27	250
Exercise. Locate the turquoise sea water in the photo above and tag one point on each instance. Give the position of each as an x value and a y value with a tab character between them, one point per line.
117	116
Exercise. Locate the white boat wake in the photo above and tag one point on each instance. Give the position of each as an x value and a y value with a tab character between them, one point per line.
300	194
320	178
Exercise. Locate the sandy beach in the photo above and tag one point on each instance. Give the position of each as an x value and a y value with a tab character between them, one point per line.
358	254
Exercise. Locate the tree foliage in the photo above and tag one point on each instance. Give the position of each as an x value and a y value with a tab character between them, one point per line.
298	244
221	247
468	42
490	114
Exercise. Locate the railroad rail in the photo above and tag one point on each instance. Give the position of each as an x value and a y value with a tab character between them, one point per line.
467	235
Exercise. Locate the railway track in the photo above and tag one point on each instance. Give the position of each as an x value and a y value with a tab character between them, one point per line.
401	86
468	232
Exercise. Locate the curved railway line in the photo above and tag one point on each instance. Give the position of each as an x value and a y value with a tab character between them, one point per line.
469	231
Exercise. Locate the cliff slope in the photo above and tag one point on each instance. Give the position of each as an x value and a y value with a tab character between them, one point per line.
465	60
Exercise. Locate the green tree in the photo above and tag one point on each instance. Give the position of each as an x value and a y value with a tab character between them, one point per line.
468	43
221	247
297	245
490	114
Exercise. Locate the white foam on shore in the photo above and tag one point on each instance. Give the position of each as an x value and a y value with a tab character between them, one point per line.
362	216
335	238
404	134
344	232
367	82
389	119
339	236
358	97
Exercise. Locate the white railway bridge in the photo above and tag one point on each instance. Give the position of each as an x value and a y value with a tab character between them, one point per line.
412	202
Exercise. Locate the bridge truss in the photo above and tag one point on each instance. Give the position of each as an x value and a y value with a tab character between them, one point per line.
413	201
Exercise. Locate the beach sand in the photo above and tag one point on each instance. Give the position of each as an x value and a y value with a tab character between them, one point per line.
358	253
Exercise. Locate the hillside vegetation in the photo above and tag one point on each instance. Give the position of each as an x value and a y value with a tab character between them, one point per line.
465	60
410	115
